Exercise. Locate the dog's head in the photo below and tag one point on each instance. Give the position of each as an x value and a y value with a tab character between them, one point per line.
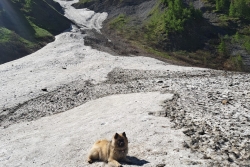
120	140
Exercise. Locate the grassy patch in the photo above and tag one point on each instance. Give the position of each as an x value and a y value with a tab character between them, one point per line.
39	32
154	51
119	23
155	26
5	34
8	36
199	58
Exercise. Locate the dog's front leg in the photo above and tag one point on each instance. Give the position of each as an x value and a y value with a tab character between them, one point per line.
114	163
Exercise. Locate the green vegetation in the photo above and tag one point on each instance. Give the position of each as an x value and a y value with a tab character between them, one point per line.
172	21
247	45
222	47
5	34
176	30
234	15
177	15
239	8
235	63
119	22
13	46
28	28
27	4
155	27
161	23
222	5
242	38
234	8
40	33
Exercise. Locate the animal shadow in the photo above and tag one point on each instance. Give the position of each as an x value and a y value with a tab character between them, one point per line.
137	162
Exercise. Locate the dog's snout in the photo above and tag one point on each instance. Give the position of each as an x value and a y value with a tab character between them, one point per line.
121	142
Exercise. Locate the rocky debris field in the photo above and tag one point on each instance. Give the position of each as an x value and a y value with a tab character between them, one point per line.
214	111
212	107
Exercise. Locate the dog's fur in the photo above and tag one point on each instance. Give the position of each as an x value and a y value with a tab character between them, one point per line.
110	151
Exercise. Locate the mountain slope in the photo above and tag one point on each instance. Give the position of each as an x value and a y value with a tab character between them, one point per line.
26	26
195	32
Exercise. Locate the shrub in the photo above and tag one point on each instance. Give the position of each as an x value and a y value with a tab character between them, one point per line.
222	47
177	15
235	63
247	45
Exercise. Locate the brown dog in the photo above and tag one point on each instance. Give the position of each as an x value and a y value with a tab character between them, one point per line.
110	151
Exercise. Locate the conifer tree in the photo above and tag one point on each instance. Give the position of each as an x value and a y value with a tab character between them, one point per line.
217	3
232	9
175	16
222	5
239	8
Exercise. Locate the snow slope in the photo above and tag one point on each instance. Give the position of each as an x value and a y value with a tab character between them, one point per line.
64	139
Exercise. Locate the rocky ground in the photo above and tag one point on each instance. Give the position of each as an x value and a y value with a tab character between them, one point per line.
214	110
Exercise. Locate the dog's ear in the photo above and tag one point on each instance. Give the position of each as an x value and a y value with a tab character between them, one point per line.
116	135
124	134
